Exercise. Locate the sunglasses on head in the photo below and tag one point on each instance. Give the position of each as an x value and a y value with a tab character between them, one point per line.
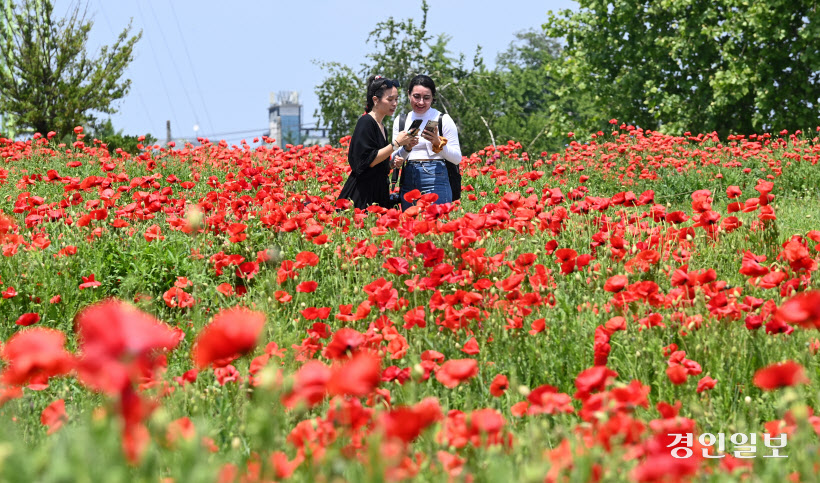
387	82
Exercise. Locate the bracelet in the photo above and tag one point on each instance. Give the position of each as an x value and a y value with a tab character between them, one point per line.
394	145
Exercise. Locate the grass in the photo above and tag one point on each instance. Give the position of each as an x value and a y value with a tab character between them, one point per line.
264	189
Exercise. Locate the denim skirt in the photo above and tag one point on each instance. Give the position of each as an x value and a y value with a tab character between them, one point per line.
427	177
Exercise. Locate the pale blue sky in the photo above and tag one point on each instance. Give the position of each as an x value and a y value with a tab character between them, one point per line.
214	63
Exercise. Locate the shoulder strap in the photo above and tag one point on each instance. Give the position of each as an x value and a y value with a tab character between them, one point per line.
440	128
402	120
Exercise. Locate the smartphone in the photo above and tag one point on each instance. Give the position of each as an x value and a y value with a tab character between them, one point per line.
414	127
432	126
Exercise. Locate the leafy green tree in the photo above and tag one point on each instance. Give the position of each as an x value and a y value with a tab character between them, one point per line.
48	81
529	109
405	48
687	65
6	35
113	139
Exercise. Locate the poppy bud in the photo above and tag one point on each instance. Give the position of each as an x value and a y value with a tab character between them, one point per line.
160	417
800	411
194	218
269	378
274	254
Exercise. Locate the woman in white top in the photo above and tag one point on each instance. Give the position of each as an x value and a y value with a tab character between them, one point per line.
425	169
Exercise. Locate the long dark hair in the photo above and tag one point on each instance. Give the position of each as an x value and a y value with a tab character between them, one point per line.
424	81
376	85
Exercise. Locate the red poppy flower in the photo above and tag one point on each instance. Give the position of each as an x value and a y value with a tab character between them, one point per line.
183	282
764	187
407	423
662	467
677	374
397	266
731	224
781	374
54	416
176	297
182	428
471	347
89	282
309	385
538	326
616	283
232	333
28	319
382	294
284	297
750	265
225	289
306	259
34	355
706	383
237	232
615	323
546	399
525	260
415	317
117	341
499	385
307	287
153	233
677	217
356	377
455	371
344	341
803	310
412	196
313	313
283	467
593	379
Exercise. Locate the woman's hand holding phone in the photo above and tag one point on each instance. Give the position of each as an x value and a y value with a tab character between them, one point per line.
432	136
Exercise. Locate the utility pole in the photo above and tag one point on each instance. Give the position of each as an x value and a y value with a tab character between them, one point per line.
168	131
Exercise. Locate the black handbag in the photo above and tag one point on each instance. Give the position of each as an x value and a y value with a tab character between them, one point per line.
453	170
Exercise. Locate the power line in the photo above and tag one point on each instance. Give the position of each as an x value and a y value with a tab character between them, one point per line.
246	131
176	69
145	109
191	65
159	70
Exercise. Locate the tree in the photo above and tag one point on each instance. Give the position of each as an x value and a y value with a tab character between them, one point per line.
404	49
48	81
113	139
687	65
529	109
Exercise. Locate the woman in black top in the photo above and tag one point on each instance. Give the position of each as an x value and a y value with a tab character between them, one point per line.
369	152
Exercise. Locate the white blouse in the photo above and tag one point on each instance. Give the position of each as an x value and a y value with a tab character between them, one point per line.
424	149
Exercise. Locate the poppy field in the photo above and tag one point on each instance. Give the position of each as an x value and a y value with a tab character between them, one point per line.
213	313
